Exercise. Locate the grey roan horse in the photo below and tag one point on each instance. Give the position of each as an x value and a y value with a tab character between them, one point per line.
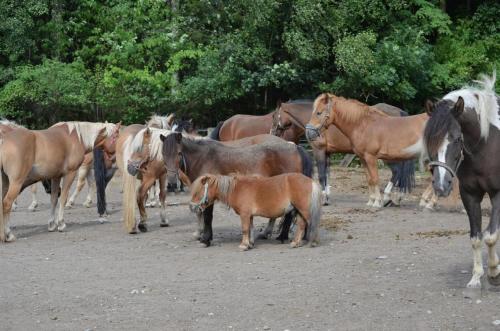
462	139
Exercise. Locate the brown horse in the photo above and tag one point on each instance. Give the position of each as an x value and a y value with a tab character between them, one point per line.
269	197
202	156
28	156
372	133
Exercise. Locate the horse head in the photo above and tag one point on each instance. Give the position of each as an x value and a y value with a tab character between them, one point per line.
444	143
281	122
139	158
321	117
203	193
172	155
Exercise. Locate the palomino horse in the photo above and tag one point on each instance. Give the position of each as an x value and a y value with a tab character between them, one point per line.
85	171
201	156
269	197
5	127
292	117
28	156
462	138
372	133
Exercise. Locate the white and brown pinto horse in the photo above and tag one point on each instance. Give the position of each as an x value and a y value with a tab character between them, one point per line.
28	156
269	197
462	139
373	134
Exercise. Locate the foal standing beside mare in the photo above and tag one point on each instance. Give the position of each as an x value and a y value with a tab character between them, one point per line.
28	156
462	139
269	197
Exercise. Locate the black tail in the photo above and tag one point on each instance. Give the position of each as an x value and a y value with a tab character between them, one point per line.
307	170
307	162
215	133
100	180
403	175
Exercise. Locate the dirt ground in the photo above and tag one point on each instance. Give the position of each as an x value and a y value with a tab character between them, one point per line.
388	269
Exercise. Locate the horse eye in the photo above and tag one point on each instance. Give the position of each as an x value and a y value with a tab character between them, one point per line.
318	113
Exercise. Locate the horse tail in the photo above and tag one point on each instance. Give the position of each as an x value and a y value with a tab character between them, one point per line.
307	162
315	204
404	176
129	194
216	131
100	180
2	218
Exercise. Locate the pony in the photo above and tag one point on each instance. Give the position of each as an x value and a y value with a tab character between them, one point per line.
462	139
201	156
269	197
293	116
28	156
373	135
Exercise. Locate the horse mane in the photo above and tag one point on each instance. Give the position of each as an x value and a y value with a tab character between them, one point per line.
352	111
437	128
87	131
482	99
155	145
9	123
159	122
225	186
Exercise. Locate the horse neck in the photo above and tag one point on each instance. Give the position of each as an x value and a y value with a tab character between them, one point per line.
349	126
197	157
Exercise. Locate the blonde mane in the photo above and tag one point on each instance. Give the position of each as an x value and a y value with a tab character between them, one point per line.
351	110
155	145
11	124
225	186
87	131
483	100
160	122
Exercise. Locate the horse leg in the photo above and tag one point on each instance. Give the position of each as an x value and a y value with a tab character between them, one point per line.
371	164
490	238
207	234
252	234
245	231
92	192
432	201
14	187
425	196
268	231
79	185
473	207
299	233
151	202
387	193
146	184
163	203
370	189
54	195
66	185
34	201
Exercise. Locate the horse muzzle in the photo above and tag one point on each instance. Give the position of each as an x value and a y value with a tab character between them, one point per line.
196	208
134	167
312	133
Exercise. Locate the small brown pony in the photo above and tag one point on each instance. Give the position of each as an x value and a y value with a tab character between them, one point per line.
269	197
28	156
372	133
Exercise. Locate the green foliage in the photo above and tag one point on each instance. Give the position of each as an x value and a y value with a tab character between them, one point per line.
123	60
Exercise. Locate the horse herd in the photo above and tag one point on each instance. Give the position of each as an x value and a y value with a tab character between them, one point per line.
254	165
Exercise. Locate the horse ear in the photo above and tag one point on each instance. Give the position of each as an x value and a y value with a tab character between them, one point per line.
162	137
204	180
170	119
459	107
429	107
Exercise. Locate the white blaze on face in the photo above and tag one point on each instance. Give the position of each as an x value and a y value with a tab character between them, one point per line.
442	158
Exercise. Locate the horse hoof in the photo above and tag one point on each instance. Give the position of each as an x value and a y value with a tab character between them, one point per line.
52	226
87	204
10	238
196	235
203	244
61	227
134	231
164	224
293	244
243	248
474	283
143	227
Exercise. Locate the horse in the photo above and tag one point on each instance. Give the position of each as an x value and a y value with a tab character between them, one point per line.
28	156
293	116
462	139
373	135
85	172
269	197
201	156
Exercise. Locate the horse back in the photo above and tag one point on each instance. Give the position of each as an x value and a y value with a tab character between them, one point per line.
242	126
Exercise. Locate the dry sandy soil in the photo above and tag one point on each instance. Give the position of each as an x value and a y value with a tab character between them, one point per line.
388	269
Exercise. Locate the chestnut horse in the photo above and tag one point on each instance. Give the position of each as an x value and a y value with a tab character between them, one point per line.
372	133
201	156
28	156
269	197
293	116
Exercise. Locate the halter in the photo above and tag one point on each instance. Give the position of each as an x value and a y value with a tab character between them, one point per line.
176	171
279	125
453	172
203	200
318	129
